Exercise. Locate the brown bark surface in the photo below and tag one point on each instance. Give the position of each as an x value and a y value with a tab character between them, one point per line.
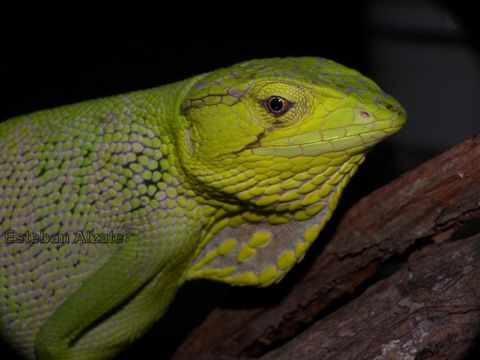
424	303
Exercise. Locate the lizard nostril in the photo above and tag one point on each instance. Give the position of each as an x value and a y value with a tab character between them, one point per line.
364	114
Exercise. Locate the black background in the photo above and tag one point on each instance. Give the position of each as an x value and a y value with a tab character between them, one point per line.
54	55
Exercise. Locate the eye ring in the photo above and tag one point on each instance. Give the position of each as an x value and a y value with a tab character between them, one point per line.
277	105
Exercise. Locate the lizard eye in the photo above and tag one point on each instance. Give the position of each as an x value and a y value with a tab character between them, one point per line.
277	106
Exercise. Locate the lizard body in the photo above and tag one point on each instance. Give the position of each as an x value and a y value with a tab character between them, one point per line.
108	206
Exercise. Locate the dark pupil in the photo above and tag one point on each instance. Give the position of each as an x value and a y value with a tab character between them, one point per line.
276	104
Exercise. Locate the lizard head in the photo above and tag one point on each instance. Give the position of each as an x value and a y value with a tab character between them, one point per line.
271	144
253	127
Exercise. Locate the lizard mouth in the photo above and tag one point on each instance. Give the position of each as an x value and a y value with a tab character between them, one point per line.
352	144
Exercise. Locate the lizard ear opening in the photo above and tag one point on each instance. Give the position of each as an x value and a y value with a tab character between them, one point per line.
188	140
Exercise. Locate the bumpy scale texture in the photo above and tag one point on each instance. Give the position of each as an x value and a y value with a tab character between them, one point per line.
108	206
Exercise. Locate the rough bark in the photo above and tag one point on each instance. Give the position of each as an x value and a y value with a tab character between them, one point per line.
429	309
424	303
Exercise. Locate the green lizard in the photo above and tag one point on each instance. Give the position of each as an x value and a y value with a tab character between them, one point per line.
108	206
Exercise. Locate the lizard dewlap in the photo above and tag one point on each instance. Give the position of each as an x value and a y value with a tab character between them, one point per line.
108	206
